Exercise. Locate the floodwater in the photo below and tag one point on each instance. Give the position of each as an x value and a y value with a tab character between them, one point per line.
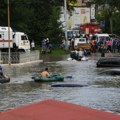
102	92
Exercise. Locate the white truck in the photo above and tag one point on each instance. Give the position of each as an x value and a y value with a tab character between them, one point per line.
18	41
82	43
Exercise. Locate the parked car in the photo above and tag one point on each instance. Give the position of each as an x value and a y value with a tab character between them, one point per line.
114	36
108	62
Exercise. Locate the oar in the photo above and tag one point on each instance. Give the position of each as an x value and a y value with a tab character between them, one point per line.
69	76
33	76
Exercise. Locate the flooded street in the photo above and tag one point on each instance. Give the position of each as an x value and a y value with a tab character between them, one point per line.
102	92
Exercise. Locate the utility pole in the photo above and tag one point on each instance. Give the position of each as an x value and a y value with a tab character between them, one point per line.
109	12
65	14
9	60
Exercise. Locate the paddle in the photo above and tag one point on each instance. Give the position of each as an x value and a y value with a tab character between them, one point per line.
69	76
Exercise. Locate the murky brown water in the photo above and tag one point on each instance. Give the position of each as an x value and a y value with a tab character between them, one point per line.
102	92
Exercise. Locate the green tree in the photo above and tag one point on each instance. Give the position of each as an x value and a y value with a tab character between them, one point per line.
110	8
38	18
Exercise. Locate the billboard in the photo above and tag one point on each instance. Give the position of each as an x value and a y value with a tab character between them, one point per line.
79	16
92	11
85	15
77	3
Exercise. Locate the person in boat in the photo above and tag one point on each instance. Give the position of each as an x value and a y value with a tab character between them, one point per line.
85	53
1	71
45	73
73	54
80	54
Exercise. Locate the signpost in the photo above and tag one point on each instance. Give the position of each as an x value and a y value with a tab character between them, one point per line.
65	14
9	60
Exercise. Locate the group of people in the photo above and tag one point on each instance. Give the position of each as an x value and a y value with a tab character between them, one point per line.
78	54
111	45
71	40
46	46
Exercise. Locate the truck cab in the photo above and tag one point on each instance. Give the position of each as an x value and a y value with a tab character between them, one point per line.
16	41
20	39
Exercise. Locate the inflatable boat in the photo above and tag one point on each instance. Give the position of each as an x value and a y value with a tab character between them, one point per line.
4	79
68	85
54	77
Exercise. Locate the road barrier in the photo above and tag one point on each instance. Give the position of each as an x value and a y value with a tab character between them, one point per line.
19	57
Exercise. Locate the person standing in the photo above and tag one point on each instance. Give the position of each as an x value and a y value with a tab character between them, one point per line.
33	45
93	45
43	46
114	45
118	45
103	50
1	71
109	44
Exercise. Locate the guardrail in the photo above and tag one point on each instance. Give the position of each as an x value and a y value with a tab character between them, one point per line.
19	57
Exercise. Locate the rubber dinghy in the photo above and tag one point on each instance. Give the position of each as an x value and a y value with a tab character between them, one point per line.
54	77
68	85
4	79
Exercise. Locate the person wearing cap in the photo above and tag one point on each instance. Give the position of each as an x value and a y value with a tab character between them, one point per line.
45	73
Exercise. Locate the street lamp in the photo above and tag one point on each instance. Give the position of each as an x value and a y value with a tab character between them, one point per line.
65	14
9	60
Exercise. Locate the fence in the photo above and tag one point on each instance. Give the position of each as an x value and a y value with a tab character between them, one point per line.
19	57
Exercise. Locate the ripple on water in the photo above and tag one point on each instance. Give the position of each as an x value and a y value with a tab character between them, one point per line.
102	91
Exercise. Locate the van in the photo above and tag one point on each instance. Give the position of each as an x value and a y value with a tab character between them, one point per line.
102	37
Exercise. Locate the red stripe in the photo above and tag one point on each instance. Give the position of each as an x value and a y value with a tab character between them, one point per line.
6	40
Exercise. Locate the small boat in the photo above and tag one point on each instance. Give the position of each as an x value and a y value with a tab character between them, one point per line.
84	59
4	79
54	77
68	85
109	62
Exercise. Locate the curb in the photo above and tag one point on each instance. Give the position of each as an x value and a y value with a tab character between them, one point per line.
21	64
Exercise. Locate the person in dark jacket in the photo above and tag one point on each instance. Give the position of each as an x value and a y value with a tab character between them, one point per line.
1	70
103	50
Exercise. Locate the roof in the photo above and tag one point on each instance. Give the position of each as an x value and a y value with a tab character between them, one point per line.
116	59
56	110
102	35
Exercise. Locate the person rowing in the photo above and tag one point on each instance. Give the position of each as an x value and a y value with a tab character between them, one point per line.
45	73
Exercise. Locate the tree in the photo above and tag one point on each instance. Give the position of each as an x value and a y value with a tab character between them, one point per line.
110	8
38	18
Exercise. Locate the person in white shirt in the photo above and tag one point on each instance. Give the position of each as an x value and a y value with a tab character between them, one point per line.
80	53
33	45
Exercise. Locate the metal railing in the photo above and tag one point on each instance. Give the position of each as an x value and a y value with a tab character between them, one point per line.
19	57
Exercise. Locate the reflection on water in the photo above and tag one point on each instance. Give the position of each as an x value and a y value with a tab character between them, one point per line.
102	91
